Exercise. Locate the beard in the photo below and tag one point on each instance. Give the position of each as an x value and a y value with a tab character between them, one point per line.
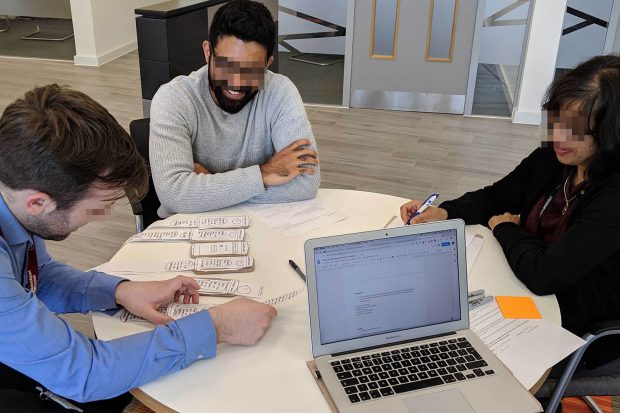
55	227
225	103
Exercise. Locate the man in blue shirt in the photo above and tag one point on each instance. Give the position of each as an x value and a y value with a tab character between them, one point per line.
64	161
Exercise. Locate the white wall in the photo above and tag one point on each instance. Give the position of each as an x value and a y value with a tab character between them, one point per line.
538	68
584	43
333	11
503	45
104	29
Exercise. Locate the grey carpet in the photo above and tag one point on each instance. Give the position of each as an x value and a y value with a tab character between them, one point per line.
11	43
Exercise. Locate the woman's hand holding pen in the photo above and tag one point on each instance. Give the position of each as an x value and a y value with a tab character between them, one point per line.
429	215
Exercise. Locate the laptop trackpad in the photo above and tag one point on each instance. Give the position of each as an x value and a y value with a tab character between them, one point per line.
451	400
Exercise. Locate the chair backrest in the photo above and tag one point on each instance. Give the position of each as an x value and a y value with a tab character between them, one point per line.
147	207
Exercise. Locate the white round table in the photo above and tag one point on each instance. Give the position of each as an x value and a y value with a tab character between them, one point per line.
272	375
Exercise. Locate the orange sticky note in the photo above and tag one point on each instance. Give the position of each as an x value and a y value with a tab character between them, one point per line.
518	307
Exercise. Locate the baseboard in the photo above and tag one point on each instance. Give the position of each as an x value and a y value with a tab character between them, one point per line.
82	60
527	118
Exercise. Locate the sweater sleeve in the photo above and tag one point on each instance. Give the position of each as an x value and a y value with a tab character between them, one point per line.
289	123
178	187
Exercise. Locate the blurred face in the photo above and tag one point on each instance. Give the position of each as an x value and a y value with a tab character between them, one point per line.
571	136
56	225
236	71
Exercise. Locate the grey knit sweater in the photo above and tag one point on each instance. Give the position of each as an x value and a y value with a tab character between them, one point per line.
187	126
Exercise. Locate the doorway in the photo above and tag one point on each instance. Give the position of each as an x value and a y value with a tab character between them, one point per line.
411	55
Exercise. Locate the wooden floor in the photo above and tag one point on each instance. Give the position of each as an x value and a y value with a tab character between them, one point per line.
406	154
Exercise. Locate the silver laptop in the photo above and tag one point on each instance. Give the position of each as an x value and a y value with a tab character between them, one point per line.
389	323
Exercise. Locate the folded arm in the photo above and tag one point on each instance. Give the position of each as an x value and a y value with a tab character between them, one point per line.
583	247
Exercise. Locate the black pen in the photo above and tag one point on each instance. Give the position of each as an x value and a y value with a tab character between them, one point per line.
297	270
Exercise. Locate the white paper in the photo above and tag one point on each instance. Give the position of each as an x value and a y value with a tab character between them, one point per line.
295	218
284	297
189	234
227	288
474	244
174	310
528	347
180	265
215	235
224	222
206	222
214	264
178	310
201	264
223	263
162	235
219	249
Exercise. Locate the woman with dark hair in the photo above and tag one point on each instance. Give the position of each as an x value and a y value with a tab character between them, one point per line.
557	214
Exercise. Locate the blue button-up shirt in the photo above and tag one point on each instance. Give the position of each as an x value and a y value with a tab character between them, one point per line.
34	341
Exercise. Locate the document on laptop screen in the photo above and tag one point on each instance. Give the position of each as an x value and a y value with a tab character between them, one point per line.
378	286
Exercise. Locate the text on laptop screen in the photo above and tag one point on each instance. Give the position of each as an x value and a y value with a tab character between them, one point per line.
378	286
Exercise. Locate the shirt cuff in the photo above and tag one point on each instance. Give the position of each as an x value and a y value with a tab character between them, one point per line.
451	210
102	290
199	335
497	231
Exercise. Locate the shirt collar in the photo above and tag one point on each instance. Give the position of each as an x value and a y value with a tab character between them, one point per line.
14	232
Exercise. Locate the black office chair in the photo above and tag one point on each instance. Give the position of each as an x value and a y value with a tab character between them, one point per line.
145	211
584	385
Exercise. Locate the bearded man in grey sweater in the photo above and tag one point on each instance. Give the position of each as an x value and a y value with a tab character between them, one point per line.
232	131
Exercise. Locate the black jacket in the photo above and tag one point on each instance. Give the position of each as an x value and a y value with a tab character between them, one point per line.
582	268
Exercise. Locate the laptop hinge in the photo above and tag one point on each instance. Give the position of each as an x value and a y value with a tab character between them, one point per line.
396	343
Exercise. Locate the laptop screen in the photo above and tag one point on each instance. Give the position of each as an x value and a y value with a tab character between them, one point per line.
378	286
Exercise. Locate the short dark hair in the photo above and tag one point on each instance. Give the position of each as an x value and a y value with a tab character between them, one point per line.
594	88
61	142
246	20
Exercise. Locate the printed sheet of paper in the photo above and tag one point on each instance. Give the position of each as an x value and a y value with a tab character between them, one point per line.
227	288
177	310
162	235
188	234
527	347
201	264
207	222
295	218
174	310
216	264
224	222
217	235
219	249
284	297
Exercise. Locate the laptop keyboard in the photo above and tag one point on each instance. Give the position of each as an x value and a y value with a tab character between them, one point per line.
386	373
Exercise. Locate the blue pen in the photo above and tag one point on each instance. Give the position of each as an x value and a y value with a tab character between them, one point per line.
425	205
